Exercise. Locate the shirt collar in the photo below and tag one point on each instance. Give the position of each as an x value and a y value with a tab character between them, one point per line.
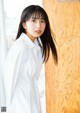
29	43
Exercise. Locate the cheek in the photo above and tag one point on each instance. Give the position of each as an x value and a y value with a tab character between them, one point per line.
30	26
43	26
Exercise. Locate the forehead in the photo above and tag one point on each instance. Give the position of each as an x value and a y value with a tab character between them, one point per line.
37	15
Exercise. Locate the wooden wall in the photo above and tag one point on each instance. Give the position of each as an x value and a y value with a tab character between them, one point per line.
63	81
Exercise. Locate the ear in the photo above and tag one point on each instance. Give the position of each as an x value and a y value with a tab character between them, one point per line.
24	25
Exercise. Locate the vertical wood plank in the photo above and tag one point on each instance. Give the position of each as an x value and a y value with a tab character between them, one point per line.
63	81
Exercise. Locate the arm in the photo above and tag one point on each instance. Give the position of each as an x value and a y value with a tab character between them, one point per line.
42	89
13	66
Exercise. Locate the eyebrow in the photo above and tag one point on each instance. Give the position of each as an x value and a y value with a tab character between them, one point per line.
37	18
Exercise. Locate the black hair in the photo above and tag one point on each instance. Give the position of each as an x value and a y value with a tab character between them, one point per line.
46	38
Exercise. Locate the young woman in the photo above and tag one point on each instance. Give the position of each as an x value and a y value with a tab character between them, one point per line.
24	61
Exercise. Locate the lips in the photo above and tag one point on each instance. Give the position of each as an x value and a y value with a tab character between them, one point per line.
38	31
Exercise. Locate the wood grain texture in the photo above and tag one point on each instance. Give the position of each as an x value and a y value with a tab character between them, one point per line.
63	81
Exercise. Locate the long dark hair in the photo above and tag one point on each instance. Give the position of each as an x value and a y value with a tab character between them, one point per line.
46	38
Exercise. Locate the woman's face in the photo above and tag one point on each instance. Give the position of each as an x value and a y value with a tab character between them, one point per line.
34	27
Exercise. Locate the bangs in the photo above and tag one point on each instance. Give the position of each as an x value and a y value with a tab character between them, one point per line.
33	11
38	15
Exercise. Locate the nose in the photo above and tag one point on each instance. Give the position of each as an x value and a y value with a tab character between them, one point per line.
38	24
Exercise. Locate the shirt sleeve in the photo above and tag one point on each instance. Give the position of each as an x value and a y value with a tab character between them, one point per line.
13	67
42	89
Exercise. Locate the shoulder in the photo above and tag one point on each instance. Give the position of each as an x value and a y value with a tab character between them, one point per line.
18	48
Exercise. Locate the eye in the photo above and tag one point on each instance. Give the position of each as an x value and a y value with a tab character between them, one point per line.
42	21
33	20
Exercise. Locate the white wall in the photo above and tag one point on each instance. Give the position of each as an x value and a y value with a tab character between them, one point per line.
2	53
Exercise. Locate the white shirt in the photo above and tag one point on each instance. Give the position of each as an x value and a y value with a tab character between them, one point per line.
23	68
